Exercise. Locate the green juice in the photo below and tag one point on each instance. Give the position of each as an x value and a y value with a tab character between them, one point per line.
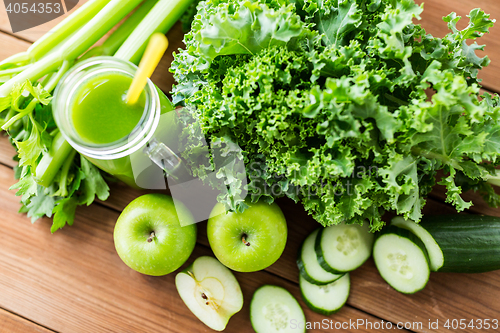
99	112
100	116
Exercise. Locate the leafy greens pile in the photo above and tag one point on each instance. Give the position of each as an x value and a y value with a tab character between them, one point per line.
32	131
346	106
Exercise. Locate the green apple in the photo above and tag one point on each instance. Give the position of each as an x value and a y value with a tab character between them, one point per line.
248	241
149	237
210	291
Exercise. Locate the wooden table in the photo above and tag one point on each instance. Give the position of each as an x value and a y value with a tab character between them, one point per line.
73	280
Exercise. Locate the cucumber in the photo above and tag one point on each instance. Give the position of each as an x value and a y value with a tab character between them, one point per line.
470	243
436	256
326	299
401	259
309	267
273	309
344	247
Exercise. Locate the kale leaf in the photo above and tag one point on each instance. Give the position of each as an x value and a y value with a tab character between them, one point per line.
348	107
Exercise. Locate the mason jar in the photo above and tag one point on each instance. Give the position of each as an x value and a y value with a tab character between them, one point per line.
130	156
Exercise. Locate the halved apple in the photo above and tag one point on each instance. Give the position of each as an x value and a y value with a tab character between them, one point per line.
210	291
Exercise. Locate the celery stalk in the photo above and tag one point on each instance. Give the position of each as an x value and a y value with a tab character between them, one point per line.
61	150
60	32
96	28
113	42
152	16
160	19
52	160
78	43
52	83
68	26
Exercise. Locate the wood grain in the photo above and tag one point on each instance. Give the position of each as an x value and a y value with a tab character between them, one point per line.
10	323
435	10
445	296
10	45
73	281
479	205
7	151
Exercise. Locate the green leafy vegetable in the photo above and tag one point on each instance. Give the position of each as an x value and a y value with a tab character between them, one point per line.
348	107
64	213
53	178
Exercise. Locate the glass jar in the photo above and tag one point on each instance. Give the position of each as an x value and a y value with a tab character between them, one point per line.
142	158
121	158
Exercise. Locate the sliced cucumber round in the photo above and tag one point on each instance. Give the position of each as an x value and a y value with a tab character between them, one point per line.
344	247
309	267
273	308
401	259
326	299
436	257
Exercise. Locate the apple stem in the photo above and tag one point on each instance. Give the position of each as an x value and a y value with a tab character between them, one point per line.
244	240
151	236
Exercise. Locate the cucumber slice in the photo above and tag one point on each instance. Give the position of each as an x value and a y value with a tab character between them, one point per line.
326	299
309	267
401	260
436	257
272	308
344	247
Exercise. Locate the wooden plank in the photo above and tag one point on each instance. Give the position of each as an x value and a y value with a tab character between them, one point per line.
369	292
73	281
480	206
469	296
447	296
7	151
434	10
10	323
15	45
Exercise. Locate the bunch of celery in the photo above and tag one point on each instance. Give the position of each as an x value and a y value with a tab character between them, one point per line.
53	178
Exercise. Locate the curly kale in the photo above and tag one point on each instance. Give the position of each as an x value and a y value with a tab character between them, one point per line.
348	107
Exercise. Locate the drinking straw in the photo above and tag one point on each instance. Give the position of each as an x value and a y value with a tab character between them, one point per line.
157	46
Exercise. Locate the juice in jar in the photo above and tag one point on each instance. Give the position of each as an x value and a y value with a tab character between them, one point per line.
100	113
101	116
